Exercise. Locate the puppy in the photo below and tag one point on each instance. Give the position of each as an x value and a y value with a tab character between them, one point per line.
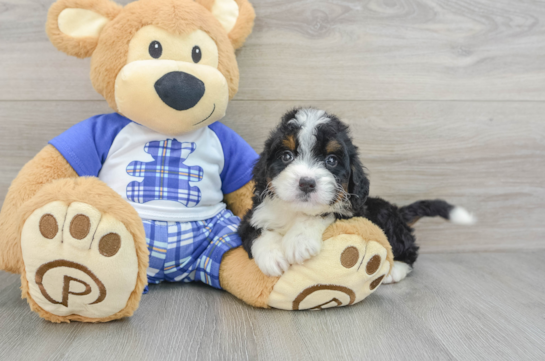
308	175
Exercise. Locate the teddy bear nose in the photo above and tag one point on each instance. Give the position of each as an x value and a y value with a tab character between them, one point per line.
179	90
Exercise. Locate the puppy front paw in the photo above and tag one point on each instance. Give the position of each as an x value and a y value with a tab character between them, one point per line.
267	253
298	247
399	271
273	264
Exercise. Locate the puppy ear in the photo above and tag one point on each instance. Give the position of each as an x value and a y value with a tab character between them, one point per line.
236	17
74	26
358	187
260	174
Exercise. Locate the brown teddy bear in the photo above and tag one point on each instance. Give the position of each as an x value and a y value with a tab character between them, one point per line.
153	192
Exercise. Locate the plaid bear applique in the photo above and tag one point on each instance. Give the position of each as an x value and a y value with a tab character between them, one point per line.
167	177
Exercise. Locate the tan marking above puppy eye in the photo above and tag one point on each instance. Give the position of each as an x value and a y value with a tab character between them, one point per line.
196	45
333	146
289	142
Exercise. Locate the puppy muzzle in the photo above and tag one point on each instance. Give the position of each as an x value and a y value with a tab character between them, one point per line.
307	185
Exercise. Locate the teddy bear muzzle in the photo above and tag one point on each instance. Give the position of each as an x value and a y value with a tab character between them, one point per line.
171	97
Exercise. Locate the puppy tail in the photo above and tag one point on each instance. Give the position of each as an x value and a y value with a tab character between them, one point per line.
433	208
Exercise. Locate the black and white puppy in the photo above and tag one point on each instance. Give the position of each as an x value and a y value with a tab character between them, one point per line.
308	175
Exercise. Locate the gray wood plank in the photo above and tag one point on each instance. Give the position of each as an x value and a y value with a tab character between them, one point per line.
329	50
452	307
486	156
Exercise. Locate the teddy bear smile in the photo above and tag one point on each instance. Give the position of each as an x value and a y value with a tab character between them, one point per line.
205	119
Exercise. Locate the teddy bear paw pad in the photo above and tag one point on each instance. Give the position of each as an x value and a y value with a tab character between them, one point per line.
346	271
78	261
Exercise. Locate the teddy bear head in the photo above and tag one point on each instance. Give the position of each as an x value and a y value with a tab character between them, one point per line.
166	64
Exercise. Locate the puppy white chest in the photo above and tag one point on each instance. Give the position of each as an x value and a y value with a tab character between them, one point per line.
287	237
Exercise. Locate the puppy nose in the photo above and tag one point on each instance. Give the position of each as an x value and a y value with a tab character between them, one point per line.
307	185
179	90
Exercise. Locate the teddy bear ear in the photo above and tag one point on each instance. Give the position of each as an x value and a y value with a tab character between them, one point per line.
74	26
236	17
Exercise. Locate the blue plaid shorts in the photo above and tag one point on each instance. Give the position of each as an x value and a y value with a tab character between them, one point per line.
190	251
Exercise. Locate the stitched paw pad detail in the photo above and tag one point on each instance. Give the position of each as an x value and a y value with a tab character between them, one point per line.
78	261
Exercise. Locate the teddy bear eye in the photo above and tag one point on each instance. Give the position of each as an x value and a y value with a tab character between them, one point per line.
155	49
196	54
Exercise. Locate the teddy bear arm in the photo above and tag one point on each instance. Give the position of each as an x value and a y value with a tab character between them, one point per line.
48	165
240	201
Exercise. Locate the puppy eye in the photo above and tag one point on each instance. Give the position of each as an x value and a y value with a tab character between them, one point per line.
196	54
331	161
155	49
287	156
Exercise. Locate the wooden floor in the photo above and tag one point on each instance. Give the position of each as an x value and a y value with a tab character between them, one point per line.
444	98
479	306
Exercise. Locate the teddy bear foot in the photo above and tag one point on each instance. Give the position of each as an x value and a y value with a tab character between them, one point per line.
355	259
348	269
79	263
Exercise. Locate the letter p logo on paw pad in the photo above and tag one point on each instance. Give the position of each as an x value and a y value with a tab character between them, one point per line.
68	287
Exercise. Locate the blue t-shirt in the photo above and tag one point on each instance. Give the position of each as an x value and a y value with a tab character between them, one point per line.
179	179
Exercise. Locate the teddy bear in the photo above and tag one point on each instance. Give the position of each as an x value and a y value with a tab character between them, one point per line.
155	190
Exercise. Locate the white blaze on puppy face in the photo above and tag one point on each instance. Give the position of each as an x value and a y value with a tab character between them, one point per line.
306	165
